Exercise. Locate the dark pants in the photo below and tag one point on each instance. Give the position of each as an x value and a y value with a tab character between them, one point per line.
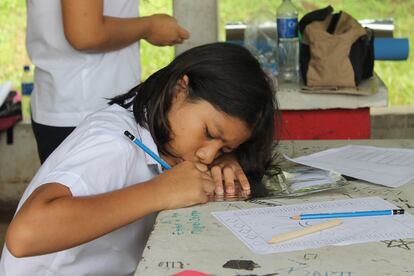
48	138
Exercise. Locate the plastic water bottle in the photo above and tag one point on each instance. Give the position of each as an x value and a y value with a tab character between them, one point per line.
27	88
288	42
260	37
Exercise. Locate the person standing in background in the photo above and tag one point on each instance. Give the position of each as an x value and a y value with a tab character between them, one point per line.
84	53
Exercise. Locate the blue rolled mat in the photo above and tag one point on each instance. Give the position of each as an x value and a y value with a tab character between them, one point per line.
384	48
391	48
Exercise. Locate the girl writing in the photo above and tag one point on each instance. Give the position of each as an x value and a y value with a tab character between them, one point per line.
90	207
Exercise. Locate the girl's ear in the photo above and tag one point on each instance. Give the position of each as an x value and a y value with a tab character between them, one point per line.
185	79
183	82
181	88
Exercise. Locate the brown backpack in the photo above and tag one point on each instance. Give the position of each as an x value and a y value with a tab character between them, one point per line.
336	51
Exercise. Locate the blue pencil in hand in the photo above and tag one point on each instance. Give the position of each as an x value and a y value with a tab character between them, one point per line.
147	150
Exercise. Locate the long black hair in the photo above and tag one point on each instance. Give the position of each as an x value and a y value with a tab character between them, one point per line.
223	74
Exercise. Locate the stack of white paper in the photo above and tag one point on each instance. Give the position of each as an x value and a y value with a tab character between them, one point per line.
390	167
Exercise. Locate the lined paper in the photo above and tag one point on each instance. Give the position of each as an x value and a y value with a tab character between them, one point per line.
255	227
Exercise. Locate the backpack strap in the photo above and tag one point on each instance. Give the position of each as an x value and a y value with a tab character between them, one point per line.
317	15
334	22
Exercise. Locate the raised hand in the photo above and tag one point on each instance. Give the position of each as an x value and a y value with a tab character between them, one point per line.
164	30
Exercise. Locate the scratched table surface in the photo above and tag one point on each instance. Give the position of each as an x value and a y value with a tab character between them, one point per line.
192	239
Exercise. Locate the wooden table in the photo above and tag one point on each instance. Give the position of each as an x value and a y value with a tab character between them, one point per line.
192	239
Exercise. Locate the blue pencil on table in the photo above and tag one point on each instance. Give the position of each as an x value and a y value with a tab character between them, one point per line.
391	212
147	150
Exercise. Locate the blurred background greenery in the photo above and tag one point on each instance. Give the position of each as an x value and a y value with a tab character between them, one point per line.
397	75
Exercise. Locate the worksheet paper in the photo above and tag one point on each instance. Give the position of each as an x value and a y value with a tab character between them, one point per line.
255	227
391	167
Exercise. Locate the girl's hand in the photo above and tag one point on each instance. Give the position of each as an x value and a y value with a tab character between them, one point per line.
225	171
186	184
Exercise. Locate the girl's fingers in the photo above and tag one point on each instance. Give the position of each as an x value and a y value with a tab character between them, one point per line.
229	177
201	167
242	178
218	180
209	187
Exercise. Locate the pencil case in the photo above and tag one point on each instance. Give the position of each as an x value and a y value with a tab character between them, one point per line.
298	181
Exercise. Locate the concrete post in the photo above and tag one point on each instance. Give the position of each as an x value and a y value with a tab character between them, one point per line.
200	18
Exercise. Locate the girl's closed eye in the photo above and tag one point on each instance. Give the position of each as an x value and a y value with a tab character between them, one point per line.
208	134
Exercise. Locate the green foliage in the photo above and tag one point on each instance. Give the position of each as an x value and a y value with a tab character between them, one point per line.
12	40
153	57
398	76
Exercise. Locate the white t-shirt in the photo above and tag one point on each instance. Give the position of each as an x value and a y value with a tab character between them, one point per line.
95	158
70	84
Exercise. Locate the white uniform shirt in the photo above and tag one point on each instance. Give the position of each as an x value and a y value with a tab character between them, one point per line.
70	84
96	158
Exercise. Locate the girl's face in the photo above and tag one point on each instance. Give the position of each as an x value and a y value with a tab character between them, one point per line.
200	132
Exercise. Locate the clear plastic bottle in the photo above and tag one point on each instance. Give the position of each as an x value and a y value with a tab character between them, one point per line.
260	37
27	88
288	42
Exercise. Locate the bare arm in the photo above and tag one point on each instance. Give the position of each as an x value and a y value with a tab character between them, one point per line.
87	29
52	219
